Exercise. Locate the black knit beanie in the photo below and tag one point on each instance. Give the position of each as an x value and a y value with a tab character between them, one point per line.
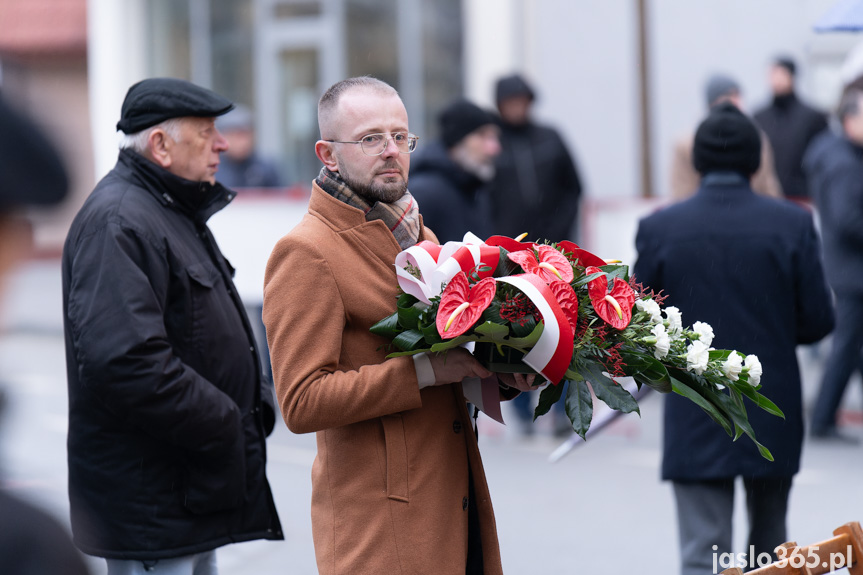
460	119
727	141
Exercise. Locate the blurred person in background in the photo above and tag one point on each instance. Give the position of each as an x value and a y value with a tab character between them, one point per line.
241	166
685	179
791	125
31	174
168	409
750	267
448	177
834	167
536	188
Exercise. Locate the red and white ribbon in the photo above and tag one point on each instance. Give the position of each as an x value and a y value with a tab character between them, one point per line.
552	354
438	264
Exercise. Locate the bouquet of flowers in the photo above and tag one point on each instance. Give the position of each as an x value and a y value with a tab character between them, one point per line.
562	312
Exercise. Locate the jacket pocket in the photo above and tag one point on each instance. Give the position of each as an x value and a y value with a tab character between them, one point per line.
397	457
216	477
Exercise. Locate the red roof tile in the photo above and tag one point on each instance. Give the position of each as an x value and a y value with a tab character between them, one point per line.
42	27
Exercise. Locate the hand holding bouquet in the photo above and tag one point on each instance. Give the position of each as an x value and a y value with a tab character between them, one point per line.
564	313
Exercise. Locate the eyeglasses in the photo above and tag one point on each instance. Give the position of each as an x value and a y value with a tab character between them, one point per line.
375	144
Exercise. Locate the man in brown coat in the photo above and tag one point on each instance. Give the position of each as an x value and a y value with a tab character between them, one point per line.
398	484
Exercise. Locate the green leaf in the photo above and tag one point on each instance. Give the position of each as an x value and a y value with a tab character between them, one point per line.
409	317
738	414
505	266
620	271
522	330
607	391
586	280
492	331
492	313
407	353
646	369
408	340
682	388
529	340
430	334
758	399
548	397
579	407
451	343
387	327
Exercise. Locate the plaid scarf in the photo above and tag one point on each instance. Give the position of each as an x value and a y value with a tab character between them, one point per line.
401	216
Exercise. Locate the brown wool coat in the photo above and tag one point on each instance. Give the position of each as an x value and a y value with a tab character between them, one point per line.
390	480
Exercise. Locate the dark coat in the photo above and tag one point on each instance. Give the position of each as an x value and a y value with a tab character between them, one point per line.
167	411
835	170
537	187
750	267
791	126
449	197
34	543
253	172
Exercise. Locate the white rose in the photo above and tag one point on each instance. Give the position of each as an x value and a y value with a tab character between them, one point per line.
732	366
697	356
753	367
675	321
651	308
704	331
663	342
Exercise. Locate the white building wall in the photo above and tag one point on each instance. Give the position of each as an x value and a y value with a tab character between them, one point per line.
581	55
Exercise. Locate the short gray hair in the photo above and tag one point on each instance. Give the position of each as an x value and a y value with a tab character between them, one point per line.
139	141
328	102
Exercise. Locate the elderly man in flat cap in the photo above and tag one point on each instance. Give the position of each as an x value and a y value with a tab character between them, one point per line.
168	412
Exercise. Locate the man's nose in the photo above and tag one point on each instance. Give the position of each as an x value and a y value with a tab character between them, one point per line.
390	149
221	143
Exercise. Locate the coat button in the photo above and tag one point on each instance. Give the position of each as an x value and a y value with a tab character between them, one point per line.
456	426
464	504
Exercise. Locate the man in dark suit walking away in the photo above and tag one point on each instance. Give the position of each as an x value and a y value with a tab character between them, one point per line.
749	266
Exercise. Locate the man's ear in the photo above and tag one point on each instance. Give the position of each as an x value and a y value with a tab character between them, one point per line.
159	146
326	154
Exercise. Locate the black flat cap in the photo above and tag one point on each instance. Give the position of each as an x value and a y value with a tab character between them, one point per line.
155	100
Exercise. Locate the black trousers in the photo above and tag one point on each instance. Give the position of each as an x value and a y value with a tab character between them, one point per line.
844	359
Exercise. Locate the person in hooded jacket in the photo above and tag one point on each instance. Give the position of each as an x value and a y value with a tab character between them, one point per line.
168	410
537	187
448	177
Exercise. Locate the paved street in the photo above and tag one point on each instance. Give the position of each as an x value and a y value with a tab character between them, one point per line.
601	510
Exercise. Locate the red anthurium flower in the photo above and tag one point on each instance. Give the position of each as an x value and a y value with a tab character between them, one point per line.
568	300
585	258
614	307
551	266
460	305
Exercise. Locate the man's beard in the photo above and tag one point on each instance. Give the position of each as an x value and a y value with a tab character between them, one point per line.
375	192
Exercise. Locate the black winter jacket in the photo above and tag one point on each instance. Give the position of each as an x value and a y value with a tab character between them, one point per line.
834	167
791	126
450	199
537	186
167	410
